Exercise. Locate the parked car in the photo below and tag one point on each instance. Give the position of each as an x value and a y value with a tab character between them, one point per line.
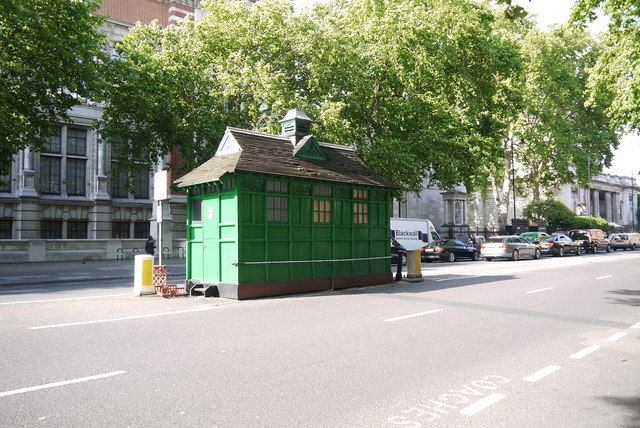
592	240
398	252
560	245
448	250
509	247
534	237
625	241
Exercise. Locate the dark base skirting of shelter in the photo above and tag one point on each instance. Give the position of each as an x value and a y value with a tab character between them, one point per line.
277	288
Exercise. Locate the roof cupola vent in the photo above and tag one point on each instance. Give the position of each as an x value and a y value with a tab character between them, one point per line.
295	125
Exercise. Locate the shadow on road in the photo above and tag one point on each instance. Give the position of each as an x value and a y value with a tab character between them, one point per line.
630	403
629	301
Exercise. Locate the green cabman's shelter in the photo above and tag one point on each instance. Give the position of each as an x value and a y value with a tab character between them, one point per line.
280	214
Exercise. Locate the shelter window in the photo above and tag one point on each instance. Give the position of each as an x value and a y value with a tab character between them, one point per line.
77	229
277	209
277	186
51	229
196	210
360	194
321	211
320	190
360	213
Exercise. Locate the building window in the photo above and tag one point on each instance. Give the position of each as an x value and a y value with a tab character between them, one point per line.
76	141
73	147
277	187
77	229
76	176
120	230
277	209
50	174
360	194
51	229
360	213
321	211
141	230
141	185
119	184
320	190
5	182
5	228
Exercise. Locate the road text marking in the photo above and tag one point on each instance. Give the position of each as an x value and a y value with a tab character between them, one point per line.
413	315
604	277
616	336
65	382
119	319
482	404
585	352
539	290
534	377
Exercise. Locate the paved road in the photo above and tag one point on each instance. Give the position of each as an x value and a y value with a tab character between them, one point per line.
540	343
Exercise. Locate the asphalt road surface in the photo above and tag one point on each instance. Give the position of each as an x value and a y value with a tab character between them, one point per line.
535	343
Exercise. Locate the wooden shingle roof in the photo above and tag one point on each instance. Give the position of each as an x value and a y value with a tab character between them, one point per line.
269	154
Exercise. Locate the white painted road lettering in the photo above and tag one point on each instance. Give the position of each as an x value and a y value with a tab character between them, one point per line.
453	401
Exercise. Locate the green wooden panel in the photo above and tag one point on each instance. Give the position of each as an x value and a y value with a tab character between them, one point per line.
250	232
301	233
278	250
344	233
360	232
228	208
228	232
228	256
322	232
275	231
195	233
196	265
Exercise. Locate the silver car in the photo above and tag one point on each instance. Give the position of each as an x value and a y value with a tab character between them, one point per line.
508	247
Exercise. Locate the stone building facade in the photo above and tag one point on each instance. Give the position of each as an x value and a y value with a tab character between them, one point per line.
65	203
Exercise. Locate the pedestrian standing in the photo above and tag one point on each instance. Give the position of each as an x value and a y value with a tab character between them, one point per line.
150	246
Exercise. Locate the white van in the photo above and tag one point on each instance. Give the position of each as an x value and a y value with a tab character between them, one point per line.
413	233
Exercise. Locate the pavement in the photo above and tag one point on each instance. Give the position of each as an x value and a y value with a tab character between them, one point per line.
80	271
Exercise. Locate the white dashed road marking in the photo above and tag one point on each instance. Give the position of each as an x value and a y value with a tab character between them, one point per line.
604	277
413	315
585	352
56	384
616	336
534	377
539	290
482	404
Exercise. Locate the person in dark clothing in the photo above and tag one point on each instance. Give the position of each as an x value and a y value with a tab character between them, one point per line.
150	246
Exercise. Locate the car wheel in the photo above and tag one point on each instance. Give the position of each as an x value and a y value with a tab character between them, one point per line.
633	247
538	254
515	255
608	248
451	257
561	252
615	249
428	261
488	259
475	256
578	251
404	260
594	249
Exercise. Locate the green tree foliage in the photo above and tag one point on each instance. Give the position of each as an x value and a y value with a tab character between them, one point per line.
550	211
555	213
421	88
565	134
179	87
617	69
418	87
49	60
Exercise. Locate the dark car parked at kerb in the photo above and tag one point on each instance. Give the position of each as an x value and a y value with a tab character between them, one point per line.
398	252
560	245
448	250
592	240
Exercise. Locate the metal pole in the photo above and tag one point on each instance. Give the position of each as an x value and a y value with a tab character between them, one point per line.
159	220
589	177
513	180
633	204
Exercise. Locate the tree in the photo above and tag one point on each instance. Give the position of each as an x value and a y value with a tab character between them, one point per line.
179	87
50	56
563	129
617	70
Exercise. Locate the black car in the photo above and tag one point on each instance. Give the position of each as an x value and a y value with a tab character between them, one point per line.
398	252
448	250
560	245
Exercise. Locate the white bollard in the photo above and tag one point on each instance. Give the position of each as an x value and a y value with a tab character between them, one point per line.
143	275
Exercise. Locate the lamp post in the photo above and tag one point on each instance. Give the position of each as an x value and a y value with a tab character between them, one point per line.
633	203
513	181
